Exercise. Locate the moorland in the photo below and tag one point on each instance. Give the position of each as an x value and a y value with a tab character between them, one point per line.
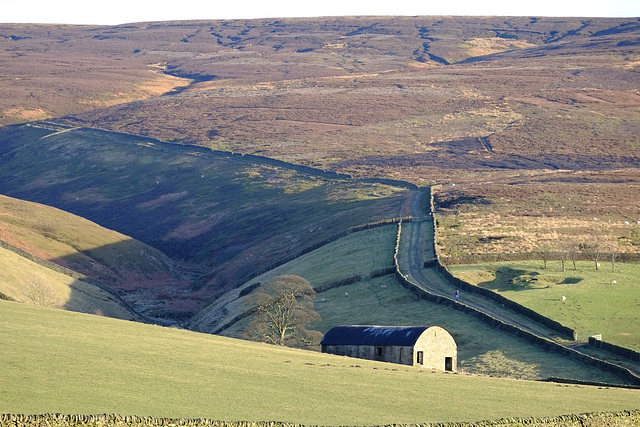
159	171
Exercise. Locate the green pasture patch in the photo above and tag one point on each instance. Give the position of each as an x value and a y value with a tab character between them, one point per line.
359	253
596	302
62	362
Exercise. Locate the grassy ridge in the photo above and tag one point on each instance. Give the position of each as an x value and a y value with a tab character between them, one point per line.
593	305
56	361
76	243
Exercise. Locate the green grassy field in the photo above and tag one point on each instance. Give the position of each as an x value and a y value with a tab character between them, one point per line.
382	301
64	362
481	349
594	303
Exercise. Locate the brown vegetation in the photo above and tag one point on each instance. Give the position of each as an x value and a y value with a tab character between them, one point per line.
534	119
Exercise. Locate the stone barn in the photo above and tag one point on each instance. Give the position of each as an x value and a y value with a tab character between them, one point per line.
430	347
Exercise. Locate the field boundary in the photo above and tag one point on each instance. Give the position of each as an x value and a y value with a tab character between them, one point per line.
467	287
627	353
532	256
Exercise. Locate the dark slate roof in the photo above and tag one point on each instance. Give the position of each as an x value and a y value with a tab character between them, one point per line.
373	335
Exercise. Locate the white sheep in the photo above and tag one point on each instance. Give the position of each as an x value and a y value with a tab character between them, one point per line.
563	298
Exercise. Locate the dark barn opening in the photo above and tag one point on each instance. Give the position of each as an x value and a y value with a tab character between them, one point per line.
448	364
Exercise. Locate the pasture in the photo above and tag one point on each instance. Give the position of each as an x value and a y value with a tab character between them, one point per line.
596	302
64	362
382	301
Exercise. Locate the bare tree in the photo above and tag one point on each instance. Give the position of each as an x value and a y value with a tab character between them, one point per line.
614	254
594	249
545	252
38	291
284	308
574	250
565	246
568	249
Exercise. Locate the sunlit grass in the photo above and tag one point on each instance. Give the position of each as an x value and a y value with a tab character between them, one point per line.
596	302
62	362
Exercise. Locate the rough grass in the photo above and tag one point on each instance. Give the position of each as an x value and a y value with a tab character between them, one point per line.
533	209
62	362
593	305
75	242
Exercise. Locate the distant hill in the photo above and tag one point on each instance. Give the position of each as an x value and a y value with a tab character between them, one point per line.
220	218
421	98
521	118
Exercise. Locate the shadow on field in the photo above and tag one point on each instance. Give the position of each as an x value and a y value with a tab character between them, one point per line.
511	279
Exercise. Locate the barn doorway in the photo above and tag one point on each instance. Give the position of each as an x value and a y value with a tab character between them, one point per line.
448	364
420	358
378	354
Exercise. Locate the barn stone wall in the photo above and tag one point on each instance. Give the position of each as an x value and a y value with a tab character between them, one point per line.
439	350
403	355
434	347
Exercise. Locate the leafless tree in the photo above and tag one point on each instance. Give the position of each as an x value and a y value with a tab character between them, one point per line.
284	308
37	291
614	254
574	250
565	246
594	248
545	252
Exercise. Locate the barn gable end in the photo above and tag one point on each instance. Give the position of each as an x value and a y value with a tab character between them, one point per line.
430	347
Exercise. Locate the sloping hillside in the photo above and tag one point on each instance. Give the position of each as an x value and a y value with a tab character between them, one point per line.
60	362
220	217
54	258
29	282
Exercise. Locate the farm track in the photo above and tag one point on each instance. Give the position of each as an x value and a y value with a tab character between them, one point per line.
417	237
